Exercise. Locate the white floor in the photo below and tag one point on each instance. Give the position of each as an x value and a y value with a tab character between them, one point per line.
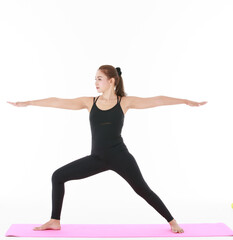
207	214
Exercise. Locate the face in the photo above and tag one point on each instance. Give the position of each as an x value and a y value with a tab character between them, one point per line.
102	83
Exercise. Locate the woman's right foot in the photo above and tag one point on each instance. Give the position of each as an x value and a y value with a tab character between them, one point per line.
53	224
175	227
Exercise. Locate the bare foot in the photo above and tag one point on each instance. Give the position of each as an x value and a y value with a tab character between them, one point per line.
175	227
53	224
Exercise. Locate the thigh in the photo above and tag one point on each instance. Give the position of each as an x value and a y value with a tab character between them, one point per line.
126	166
80	168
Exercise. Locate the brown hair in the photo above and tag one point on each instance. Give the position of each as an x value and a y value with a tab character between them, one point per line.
111	72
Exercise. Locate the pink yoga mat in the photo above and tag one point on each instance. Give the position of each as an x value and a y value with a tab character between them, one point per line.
121	230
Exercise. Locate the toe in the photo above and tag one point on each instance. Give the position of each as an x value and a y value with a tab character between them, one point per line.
38	228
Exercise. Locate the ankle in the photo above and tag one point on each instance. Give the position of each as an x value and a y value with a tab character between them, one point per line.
172	221
54	220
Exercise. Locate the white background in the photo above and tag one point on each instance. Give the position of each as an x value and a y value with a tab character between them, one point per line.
181	49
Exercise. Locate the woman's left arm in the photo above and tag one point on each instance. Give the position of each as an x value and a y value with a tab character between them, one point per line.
171	101
141	103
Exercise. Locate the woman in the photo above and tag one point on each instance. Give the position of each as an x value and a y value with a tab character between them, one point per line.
106	115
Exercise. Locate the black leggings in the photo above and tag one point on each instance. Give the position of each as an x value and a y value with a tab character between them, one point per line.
121	162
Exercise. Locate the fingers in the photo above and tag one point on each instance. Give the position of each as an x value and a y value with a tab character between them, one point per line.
197	103
192	103
202	103
17	104
13	103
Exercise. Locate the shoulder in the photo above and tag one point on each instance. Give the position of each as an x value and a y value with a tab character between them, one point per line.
88	102
127	101
127	98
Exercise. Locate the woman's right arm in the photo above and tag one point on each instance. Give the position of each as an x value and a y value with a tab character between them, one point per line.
72	104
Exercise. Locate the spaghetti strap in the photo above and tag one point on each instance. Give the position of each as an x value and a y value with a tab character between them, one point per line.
120	99
94	100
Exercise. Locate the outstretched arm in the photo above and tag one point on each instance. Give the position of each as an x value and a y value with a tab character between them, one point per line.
72	104
141	103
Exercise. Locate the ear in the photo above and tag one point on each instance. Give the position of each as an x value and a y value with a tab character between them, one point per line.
112	80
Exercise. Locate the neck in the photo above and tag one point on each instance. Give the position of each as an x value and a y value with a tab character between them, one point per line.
108	96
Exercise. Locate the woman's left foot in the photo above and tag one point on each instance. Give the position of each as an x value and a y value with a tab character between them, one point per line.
175	227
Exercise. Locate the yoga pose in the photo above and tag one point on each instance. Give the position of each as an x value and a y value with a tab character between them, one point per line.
109	152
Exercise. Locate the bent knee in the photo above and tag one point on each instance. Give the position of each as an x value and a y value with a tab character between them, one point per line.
57	176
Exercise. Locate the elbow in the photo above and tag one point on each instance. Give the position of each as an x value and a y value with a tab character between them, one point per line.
159	101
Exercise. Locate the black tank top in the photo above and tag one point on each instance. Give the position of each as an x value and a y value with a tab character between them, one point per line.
106	126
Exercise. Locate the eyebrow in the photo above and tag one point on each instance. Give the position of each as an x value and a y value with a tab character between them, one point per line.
99	76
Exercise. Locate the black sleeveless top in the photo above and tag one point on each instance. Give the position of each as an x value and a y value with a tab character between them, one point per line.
106	126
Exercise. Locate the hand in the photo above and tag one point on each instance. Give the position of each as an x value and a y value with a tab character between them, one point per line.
191	103
19	104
